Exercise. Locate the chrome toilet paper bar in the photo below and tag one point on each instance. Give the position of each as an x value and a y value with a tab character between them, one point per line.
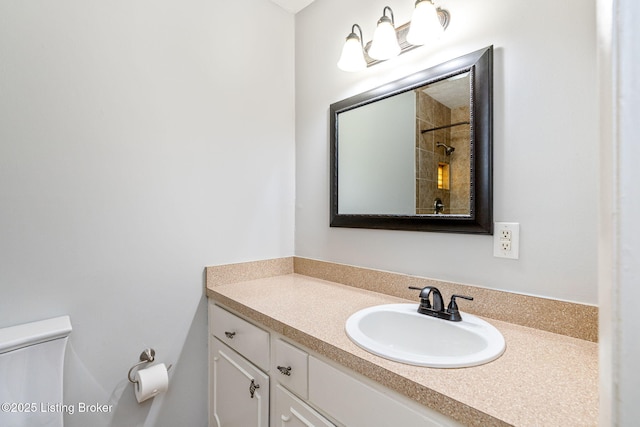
147	356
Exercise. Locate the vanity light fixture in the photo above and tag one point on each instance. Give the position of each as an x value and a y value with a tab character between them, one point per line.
352	58
427	24
385	40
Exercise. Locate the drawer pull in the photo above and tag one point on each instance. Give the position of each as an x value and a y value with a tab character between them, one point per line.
285	371
252	388
230	335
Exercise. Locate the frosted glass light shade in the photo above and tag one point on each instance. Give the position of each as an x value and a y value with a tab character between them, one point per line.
385	41
352	57
425	24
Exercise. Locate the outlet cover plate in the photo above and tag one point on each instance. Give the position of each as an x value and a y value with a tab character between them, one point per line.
506	240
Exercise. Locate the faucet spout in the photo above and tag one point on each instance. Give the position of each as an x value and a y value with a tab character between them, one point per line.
426	306
437	304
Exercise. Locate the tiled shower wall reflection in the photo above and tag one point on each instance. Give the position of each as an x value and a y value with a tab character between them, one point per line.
432	114
460	169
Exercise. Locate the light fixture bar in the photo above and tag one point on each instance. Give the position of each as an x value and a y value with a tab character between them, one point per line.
402	32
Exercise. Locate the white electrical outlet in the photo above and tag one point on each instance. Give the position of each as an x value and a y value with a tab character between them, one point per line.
506	240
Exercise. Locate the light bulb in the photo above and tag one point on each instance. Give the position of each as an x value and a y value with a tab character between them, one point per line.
352	57
385	41
425	24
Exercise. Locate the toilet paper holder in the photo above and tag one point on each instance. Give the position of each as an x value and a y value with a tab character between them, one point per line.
147	356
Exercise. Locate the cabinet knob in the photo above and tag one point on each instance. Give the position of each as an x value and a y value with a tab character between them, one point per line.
285	418
230	335
285	371
252	388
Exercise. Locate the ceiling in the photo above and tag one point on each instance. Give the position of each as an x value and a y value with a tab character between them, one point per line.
452	92
293	6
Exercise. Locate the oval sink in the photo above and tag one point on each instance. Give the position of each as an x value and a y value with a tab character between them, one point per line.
398	332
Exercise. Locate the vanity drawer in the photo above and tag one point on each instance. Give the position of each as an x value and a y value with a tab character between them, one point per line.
358	404
244	337
289	367
292	411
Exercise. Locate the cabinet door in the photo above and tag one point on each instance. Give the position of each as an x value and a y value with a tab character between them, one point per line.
240	391
292	412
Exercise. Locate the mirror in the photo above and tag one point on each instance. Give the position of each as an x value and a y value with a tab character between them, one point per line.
416	154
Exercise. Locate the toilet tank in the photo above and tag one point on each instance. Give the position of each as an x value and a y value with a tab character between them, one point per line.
31	373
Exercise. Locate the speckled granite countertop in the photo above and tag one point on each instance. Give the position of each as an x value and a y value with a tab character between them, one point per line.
542	379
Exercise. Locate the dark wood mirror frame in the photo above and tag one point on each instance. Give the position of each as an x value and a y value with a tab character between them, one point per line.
480	220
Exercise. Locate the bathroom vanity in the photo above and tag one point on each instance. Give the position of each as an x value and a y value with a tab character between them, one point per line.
254	369
279	355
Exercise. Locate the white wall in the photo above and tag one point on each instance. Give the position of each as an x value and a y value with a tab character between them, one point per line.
139	142
545	142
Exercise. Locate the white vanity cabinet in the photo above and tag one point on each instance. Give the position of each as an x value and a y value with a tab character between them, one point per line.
247	365
238	389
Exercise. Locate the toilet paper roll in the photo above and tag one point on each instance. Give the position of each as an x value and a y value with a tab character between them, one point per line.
151	382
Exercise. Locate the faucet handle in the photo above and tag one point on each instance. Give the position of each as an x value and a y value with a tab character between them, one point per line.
453	307
452	310
419	289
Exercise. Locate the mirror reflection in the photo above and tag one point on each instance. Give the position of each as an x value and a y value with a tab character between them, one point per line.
408	154
443	168
415	154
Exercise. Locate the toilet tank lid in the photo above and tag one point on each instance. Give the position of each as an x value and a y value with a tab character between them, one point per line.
15	337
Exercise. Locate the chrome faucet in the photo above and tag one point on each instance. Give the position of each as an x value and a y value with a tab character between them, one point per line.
436	308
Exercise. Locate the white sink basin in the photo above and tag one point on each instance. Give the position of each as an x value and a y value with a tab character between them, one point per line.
398	332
